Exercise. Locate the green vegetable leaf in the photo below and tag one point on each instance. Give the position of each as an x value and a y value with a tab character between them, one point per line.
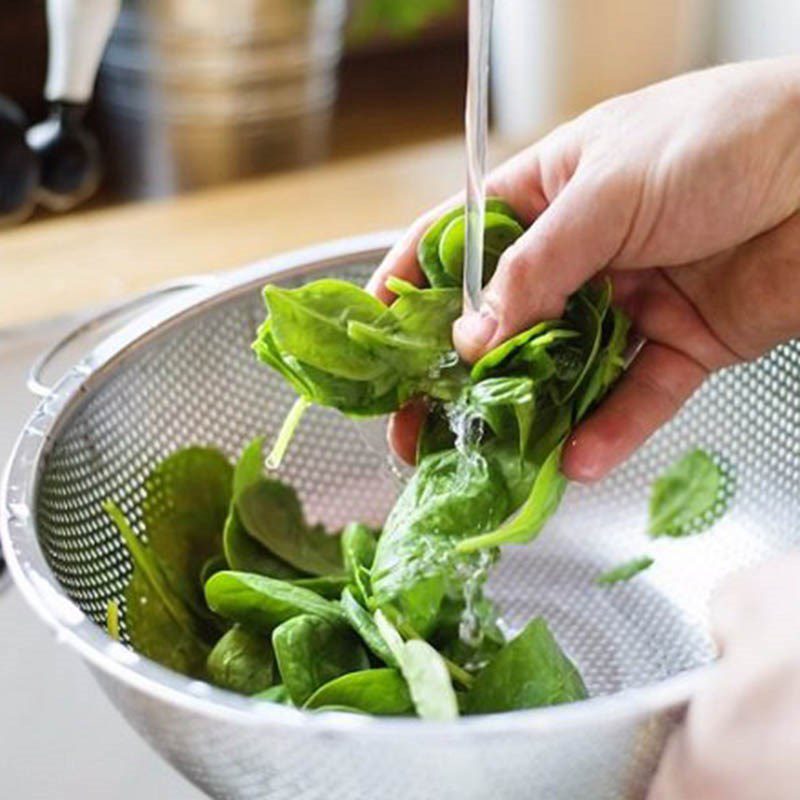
184	509
529	672
364	625
270	512
242	552
544	498
242	661
370	691
275	694
327	586
689	497
262	603
625	571
158	623
311	652
358	553
425	673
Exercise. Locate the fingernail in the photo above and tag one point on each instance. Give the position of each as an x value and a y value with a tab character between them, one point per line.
475	330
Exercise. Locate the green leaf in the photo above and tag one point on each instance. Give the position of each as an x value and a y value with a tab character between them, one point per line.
500	231
358	553
311	652
425	673
112	619
364	625
370	691
624	571
501	226
242	552
211	567
327	586
158	623
184	510
529	672
311	323
543	500
270	512
275	694
689	497
262	603
242	661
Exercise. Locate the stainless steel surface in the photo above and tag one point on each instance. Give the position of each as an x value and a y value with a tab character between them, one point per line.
193	94
183	373
98	321
60	738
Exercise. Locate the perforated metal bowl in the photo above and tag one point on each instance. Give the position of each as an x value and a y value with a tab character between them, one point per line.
183	373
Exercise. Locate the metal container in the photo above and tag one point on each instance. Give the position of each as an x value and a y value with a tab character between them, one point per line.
182	373
195	93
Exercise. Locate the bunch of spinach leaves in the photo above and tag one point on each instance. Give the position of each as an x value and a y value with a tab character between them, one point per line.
286	613
252	597
488	468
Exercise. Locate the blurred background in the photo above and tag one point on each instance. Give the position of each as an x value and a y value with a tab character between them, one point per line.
193	93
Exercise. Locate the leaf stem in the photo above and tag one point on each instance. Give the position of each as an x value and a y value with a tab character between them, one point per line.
286	433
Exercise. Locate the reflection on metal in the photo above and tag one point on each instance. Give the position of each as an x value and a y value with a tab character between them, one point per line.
193	94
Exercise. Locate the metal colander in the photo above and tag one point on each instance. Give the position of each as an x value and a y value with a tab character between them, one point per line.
183	373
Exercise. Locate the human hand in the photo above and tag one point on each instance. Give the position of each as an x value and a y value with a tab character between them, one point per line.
741	740
664	191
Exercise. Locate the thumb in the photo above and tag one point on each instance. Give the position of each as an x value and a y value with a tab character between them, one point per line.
577	235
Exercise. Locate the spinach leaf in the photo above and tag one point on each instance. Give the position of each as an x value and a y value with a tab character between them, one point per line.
184	509
529	672
241	661
158	622
624	571
270	512
440	251
242	552
311	322
311	652
417	561
544	498
327	586
364	625
689	497
275	694
425	673
262	603
370	691
112	619
358	553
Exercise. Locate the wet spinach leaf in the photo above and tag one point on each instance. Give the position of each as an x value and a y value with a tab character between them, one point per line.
369	691
261	603
424	671
158	622
311	652
689	497
275	694
529	672
364	625
242	661
185	506
271	513
625	571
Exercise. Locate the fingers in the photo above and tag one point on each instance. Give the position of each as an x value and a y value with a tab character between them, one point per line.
521	181
653	390
571	241
404	430
401	260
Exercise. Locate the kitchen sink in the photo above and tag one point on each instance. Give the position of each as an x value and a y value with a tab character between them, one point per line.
60	739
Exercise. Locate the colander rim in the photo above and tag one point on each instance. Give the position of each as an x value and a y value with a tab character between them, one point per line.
41	590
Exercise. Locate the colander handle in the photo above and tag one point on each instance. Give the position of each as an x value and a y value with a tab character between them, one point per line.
35	381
